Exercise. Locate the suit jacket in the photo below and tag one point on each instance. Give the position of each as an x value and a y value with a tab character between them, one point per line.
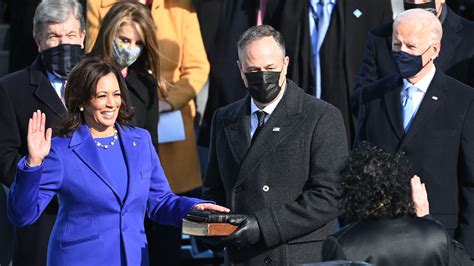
288	177
184	68
395	241
340	53
456	57
439	144
22	93
94	225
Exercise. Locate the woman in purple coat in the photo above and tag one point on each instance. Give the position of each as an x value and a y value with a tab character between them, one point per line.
105	173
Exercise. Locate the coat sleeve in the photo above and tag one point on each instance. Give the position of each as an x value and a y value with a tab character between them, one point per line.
465	231
213	188
33	188
93	19
10	141
163	205
317	204
194	68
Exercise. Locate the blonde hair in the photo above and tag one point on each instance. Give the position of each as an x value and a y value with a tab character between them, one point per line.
140	17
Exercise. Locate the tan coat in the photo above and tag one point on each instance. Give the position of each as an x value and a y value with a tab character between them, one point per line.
185	69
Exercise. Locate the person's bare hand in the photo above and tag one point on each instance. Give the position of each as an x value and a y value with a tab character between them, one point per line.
419	197
210	207
38	139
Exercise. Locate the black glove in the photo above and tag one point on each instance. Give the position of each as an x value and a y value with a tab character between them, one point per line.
248	232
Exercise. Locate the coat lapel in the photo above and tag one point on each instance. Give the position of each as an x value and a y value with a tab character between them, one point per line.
278	127
44	90
236	128
394	107
130	147
433	98
84	147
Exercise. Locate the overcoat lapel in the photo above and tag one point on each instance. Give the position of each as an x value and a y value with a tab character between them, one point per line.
236	128
44	90
394	107
131	150
433	98
281	124
84	147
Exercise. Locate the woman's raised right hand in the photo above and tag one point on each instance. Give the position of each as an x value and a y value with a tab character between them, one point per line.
39	139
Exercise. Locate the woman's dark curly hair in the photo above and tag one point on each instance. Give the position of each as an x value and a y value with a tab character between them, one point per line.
80	89
376	184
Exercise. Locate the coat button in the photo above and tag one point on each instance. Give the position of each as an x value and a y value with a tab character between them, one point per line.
124	228
238	189
267	260
266	188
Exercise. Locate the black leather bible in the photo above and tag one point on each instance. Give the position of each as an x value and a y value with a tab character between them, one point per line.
207	217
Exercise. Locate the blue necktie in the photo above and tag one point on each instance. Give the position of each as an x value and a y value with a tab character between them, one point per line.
321	14
408	106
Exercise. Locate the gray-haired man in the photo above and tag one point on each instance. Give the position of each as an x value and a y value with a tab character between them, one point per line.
59	31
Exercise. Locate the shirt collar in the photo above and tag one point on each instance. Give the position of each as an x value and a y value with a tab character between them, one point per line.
424	82
53	77
271	107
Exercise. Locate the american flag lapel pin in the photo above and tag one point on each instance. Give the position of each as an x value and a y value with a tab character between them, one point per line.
276	129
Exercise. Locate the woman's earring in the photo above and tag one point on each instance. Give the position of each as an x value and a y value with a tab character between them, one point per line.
81	108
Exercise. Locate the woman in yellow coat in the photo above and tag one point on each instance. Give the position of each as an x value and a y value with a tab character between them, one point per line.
184	68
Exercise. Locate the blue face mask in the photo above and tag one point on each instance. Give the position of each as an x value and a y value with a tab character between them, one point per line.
124	55
408	64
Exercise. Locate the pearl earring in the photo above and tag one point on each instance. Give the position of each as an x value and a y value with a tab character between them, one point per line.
81	109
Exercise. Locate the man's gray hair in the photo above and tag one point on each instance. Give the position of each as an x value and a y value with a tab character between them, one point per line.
56	11
256	33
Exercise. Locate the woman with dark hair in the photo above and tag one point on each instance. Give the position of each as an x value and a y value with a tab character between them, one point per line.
105	173
382	203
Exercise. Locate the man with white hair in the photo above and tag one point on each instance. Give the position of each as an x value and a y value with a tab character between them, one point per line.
455	59
429	116
59	31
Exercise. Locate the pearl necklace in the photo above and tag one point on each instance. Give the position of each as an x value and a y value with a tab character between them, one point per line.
106	146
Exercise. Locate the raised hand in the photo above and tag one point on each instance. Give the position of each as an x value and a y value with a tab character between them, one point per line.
39	141
419	197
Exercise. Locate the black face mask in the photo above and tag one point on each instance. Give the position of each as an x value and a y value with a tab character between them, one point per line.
61	59
263	85
409	65
430	6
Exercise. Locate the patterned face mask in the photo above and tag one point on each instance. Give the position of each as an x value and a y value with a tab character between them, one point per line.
124	55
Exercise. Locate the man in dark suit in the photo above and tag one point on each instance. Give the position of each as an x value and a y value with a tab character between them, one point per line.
428	115
340	53
59	31
275	157
455	58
